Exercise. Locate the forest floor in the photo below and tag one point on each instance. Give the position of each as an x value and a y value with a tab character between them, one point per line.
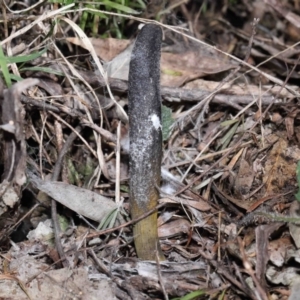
228	214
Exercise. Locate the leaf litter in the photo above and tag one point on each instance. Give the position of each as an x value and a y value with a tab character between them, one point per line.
228	215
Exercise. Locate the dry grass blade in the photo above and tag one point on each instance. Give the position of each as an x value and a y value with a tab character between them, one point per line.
43	17
89	46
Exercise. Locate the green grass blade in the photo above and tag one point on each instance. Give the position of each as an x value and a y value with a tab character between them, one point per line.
25	58
110	219
167	121
229	122
43	69
119	7
113	218
192	295
228	136
83	20
15	77
4	68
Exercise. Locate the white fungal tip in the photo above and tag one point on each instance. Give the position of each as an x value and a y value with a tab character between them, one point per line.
141	26
155	121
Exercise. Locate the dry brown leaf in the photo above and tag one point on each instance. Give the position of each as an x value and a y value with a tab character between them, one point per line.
82	201
111	169
280	167
177	68
232	163
289	124
107	49
278	249
201	205
174	228
262	234
244	178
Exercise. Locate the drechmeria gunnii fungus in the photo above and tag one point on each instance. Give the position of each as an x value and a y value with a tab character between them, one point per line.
145	150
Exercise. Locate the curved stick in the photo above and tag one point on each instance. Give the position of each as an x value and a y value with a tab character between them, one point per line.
145	135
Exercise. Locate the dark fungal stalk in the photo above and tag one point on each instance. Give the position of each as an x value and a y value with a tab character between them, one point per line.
145	135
